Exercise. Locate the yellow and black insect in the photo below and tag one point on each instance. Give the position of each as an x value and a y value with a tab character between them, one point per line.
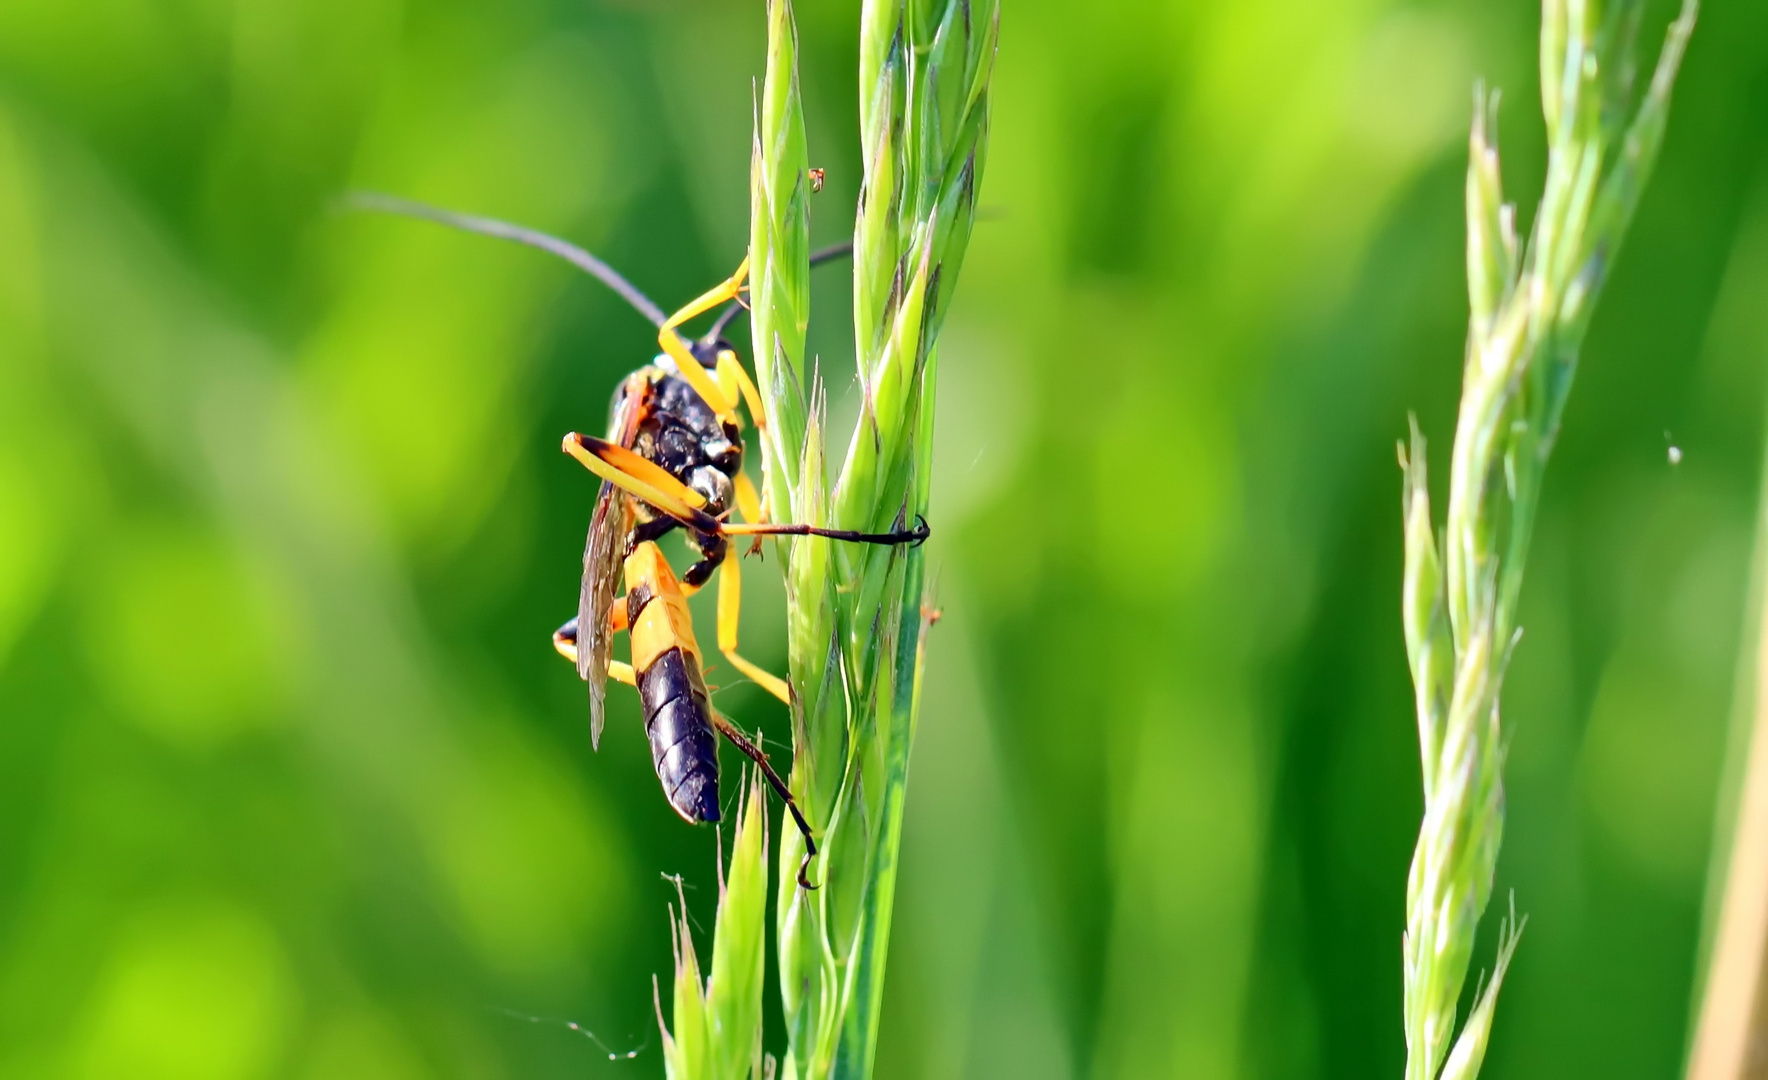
680	721
673	457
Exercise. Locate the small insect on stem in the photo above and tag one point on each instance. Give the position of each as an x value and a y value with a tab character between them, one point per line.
816	180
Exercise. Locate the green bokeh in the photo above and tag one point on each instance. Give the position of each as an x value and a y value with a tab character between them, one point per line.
291	784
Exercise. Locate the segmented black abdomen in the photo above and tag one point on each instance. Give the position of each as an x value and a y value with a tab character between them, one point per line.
683	746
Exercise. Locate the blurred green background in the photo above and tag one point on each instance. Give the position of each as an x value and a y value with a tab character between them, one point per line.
292	785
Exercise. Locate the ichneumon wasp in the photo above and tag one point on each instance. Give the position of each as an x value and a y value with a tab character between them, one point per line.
672	458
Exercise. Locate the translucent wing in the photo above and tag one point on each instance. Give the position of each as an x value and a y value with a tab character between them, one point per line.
604	552
602	557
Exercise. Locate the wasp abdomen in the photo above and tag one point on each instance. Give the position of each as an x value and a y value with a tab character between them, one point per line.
666	659
684	747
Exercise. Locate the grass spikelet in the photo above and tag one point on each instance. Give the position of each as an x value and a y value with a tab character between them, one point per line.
854	611
855	642
717	1022
1526	323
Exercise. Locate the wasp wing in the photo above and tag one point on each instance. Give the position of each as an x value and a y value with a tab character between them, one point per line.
604	552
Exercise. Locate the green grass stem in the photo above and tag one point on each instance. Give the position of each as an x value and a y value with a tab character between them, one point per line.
716	1032
1529	310
854	613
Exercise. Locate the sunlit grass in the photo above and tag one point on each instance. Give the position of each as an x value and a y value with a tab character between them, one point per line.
856	623
1530	309
715	1028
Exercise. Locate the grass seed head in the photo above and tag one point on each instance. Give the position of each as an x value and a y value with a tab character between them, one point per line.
1527	320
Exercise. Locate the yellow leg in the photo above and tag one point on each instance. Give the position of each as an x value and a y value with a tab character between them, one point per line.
621	671
565	641
565	637
711	298
750	506
722	376
650	482
736	382
731	374
645	479
678	350
730	603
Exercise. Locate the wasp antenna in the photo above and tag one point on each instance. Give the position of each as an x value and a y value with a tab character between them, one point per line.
731	311
735	307
831	253
502	230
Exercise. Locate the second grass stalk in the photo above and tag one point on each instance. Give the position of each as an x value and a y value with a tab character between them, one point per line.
1529	312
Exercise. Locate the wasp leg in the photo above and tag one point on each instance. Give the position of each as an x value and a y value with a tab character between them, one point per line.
730	603
565	641
750	505
677	348
730	600
645	479
701	572
652	531
736	383
755	754
915	536
652	483
565	637
817	258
